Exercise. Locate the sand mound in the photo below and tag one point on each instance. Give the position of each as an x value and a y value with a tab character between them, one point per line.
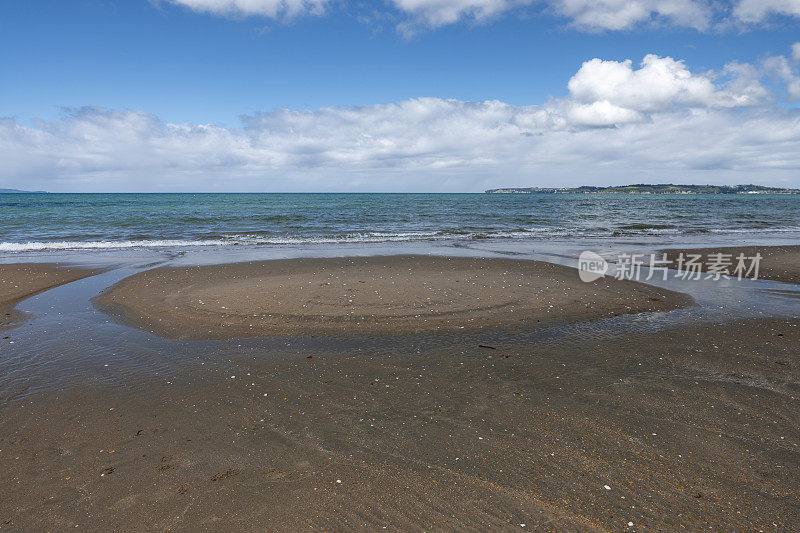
394	294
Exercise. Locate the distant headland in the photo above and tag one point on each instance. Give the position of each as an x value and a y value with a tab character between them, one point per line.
17	191
666	188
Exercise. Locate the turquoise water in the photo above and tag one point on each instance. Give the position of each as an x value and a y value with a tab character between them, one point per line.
32	222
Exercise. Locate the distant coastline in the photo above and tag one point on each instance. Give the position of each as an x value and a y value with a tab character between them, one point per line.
667	188
18	191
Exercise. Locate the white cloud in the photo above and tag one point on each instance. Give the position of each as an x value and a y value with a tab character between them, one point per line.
584	14
782	68
753	11
624	14
660	83
267	8
601	113
440	12
786	70
588	15
660	121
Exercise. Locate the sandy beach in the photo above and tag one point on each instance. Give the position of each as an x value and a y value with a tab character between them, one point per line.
688	429
778	263
369	296
528	418
23	280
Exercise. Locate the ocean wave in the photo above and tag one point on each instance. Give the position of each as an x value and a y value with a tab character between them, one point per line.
537	233
794	229
36	246
257	240
648	226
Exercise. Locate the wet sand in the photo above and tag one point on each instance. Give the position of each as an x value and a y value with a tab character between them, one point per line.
689	428
369	296
23	280
778	263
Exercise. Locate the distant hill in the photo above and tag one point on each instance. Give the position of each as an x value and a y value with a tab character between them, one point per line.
17	191
666	188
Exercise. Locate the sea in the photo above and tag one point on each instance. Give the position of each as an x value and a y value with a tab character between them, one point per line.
124	234
50	222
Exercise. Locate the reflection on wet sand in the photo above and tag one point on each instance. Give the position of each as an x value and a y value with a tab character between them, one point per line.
647	420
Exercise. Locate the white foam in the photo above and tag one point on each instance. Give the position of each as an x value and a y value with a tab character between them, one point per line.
101	245
353	238
35	246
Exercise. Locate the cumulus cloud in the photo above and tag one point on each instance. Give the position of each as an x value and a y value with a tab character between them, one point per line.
624	14
266	8
783	70
587	15
601	113
660	121
584	14
759	10
613	92
786	70
440	12
423	144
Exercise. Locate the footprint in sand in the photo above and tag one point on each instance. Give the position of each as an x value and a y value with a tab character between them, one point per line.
223	475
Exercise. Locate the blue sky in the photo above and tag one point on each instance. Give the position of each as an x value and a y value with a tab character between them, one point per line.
80	79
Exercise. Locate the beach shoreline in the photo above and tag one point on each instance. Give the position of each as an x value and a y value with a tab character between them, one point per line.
777	263
19	281
555	421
